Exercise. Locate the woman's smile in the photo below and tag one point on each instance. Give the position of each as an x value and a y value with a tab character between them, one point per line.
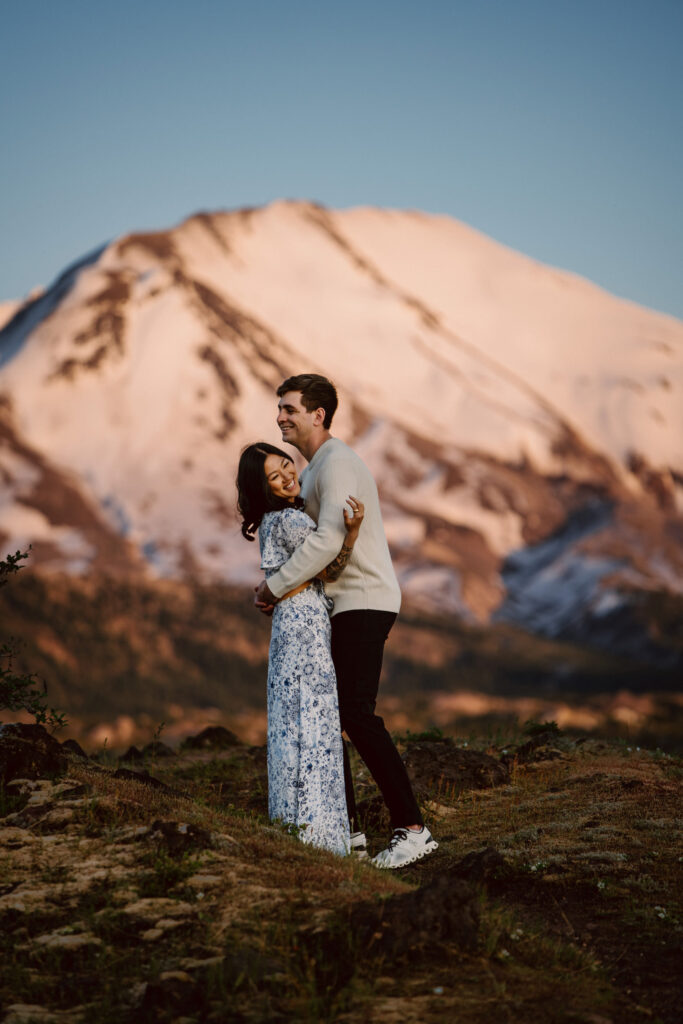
281	477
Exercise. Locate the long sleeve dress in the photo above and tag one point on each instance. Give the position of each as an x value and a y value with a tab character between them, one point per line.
305	755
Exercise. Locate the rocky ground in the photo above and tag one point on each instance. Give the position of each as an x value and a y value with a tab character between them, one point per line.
152	888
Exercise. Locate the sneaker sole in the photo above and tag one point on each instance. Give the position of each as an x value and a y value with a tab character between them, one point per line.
429	847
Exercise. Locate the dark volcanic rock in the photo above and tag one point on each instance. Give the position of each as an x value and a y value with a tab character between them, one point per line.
157	749
258	755
415	924
214	737
168	996
445	910
29	752
480	865
177	838
74	747
132	756
438	766
542	747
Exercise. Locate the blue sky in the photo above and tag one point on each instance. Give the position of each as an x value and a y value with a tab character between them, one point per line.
553	127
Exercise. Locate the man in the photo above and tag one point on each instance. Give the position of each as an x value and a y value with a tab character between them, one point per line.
366	602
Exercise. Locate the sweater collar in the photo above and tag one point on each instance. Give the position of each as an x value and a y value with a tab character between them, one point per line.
320	454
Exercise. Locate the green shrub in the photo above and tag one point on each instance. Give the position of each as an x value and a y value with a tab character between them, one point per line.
23	692
532	728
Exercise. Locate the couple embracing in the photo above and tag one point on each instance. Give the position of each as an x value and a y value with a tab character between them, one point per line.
333	595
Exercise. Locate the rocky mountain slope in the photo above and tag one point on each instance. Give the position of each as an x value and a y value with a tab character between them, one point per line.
120	657
524	426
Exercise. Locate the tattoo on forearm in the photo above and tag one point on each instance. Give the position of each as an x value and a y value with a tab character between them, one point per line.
336	567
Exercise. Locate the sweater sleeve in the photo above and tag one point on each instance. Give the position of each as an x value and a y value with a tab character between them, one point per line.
335	481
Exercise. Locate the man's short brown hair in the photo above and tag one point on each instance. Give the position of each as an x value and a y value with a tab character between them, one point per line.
316	393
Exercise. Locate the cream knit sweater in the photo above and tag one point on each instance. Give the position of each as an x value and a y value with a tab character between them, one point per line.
369	580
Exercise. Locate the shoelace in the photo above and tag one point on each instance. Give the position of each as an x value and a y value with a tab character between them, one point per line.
399	835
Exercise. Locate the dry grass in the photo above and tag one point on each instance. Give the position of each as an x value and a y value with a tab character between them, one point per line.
583	924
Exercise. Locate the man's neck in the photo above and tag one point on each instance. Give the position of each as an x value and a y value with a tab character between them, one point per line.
311	446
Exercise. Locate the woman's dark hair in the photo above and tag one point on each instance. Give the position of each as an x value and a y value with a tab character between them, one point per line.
254	496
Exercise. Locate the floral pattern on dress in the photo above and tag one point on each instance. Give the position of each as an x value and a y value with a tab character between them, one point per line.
305	754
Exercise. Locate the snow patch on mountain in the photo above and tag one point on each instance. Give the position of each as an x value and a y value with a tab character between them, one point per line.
612	369
493	398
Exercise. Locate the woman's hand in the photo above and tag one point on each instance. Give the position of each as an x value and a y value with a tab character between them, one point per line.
353	517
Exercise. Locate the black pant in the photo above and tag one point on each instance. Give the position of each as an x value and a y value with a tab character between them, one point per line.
358	639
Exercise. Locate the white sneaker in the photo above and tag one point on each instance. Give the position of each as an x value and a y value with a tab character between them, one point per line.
405	847
359	846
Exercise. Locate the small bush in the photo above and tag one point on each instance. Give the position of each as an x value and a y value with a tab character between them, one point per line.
532	728
431	734
23	692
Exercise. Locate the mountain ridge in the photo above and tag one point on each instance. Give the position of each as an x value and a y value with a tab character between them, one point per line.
479	385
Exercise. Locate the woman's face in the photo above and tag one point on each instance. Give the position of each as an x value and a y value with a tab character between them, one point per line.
281	477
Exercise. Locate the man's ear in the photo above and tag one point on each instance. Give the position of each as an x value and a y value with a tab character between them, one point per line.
319	416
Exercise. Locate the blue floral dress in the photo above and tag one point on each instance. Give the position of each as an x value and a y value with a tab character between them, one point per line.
305	756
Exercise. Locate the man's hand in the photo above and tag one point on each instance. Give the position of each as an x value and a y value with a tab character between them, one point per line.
264	600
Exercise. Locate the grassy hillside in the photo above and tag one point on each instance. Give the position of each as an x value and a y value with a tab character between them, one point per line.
125	901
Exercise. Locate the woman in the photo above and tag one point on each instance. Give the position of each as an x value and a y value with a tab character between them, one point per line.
305	754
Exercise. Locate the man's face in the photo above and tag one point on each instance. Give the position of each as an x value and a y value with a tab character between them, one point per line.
295	422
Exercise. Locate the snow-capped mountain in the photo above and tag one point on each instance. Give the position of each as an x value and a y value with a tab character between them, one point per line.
525	427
